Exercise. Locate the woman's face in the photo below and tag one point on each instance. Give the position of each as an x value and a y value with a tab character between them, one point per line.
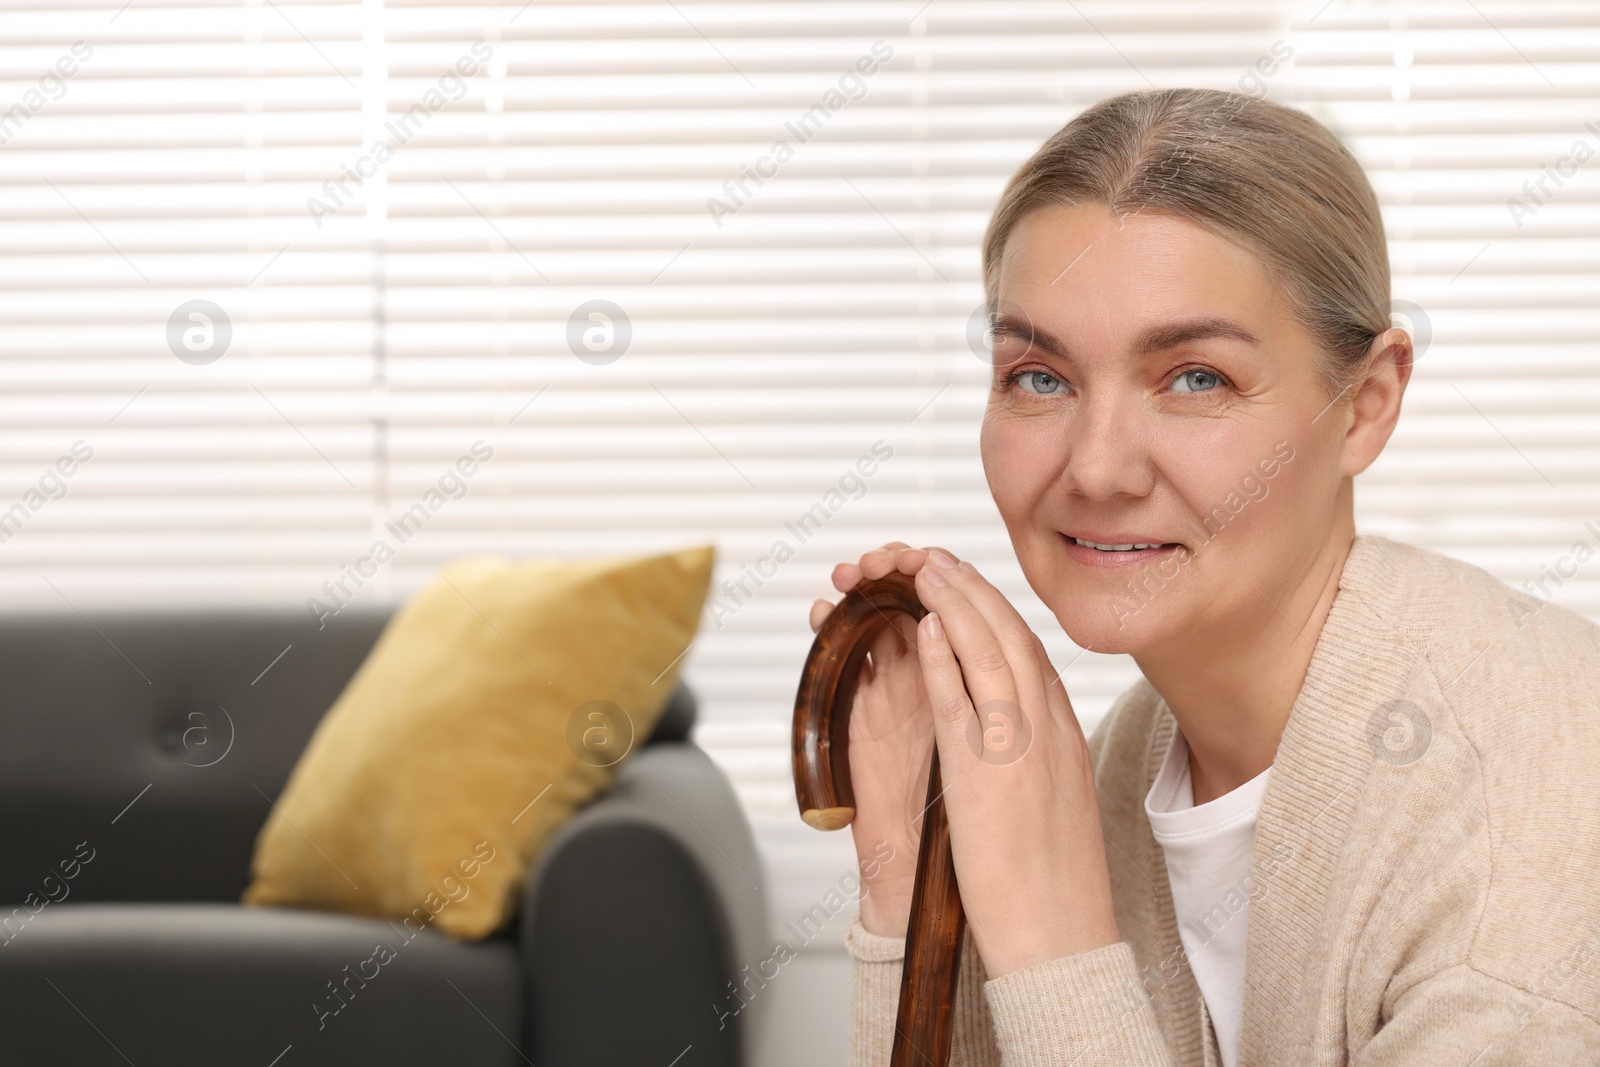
1150	387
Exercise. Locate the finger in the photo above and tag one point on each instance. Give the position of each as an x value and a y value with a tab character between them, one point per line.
911	560
820	610
947	693
1055	690
884	644
1016	639
984	665
881	560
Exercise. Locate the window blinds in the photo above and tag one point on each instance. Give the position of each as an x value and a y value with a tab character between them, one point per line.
676	272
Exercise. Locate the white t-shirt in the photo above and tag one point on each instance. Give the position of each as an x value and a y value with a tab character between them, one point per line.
1208	855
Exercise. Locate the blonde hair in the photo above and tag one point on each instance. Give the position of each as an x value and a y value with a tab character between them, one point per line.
1269	178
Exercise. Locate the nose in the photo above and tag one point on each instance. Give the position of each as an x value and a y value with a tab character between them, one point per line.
1107	454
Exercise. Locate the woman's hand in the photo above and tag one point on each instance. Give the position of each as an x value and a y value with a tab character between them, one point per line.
891	745
1019	792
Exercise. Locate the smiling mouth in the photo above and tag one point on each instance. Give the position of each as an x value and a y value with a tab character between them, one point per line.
1134	546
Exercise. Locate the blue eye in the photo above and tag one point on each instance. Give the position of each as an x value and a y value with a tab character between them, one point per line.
1215	379
1047	387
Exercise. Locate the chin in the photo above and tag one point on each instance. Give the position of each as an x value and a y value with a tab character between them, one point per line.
1109	621
1095	607
1091	626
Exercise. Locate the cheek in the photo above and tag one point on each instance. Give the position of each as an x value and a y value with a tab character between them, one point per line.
1213	484
991	451
1237	508
1303	494
1010	465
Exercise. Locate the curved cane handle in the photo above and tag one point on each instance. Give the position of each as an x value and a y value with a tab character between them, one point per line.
924	1023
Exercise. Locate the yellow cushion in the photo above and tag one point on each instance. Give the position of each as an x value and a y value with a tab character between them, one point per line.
499	698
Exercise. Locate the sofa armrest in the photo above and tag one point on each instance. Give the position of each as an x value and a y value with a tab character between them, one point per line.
639	919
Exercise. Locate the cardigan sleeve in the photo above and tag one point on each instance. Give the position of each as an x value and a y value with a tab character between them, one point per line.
876	963
1088	1009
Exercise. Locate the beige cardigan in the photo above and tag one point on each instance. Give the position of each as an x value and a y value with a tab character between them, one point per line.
1426	886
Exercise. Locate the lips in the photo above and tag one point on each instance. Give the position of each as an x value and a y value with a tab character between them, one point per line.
1130	546
1117	550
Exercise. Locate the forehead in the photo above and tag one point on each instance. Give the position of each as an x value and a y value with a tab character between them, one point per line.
1081	258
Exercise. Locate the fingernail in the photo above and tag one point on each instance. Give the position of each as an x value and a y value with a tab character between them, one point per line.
943	559
935	627
934	577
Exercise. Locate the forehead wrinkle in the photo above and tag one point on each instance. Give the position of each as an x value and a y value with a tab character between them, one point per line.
1152	341
1172	334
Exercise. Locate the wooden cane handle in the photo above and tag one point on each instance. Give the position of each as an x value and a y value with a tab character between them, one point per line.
925	1020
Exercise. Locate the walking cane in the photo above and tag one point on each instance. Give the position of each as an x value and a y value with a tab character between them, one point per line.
822	786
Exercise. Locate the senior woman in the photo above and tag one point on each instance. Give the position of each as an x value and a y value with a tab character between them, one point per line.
1349	814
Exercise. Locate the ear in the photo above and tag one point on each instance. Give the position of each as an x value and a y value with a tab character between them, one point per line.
1376	406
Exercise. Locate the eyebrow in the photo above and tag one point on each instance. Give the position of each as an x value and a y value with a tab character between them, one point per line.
1155	339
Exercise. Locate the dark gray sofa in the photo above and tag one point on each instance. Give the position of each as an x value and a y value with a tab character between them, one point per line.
138	753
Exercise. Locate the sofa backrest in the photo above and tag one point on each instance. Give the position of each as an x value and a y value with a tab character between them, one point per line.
156	740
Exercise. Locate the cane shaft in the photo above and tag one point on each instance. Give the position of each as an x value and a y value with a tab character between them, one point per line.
822	788
926	1018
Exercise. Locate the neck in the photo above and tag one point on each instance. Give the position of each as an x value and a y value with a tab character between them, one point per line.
1230	688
